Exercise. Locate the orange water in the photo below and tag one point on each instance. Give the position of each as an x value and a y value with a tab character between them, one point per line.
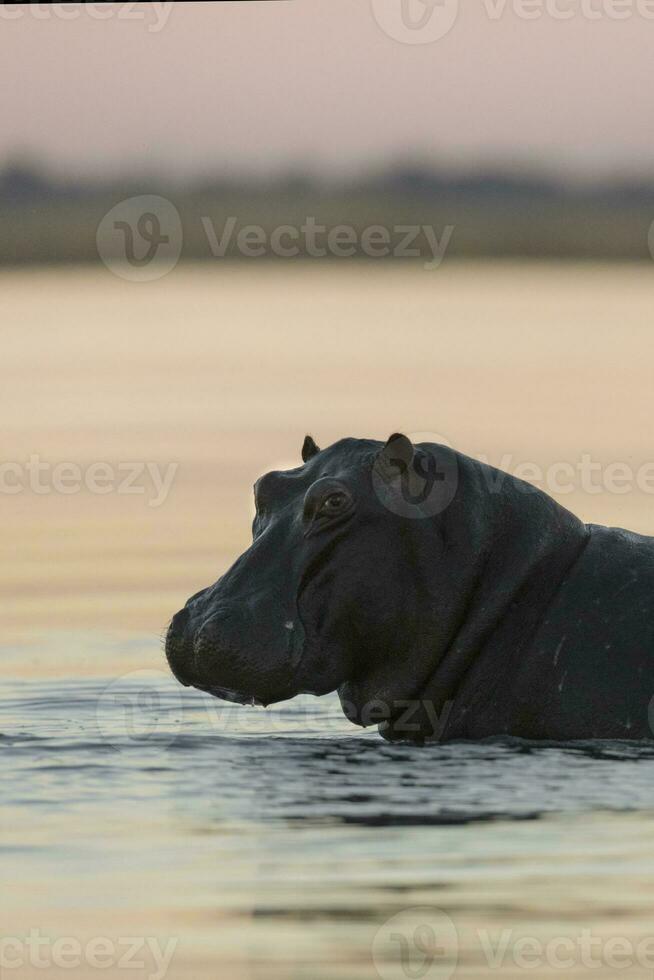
222	370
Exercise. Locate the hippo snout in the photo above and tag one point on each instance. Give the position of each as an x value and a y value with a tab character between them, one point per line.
177	647
199	635
233	650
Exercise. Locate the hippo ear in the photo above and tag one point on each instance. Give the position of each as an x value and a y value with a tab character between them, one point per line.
309	449
396	456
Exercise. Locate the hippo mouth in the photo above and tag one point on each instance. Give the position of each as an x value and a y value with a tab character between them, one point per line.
226	694
236	697
209	653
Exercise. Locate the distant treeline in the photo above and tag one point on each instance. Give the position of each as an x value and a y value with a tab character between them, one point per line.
47	219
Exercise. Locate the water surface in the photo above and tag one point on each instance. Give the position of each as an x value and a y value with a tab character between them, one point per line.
277	843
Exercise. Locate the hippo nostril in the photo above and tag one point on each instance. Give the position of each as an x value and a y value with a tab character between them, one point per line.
177	646
179	622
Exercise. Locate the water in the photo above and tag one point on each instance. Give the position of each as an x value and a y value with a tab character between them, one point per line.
282	845
277	843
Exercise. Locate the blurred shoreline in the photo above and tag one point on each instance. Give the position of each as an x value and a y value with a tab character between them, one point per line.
48	220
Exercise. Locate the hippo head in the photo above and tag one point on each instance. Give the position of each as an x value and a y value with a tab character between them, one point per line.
328	595
372	567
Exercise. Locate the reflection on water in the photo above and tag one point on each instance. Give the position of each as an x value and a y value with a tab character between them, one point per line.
276	843
223	371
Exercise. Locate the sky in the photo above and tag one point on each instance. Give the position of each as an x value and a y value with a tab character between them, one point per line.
329	86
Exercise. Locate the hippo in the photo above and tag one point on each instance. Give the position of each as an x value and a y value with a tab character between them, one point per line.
443	599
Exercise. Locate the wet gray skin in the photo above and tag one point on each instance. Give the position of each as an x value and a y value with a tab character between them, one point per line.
442	598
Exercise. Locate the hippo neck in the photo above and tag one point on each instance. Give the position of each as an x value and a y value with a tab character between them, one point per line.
526	543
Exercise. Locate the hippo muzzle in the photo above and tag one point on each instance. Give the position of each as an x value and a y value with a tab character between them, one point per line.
246	649
253	637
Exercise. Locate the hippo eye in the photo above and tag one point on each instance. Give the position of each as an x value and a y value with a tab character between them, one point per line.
333	503
326	501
